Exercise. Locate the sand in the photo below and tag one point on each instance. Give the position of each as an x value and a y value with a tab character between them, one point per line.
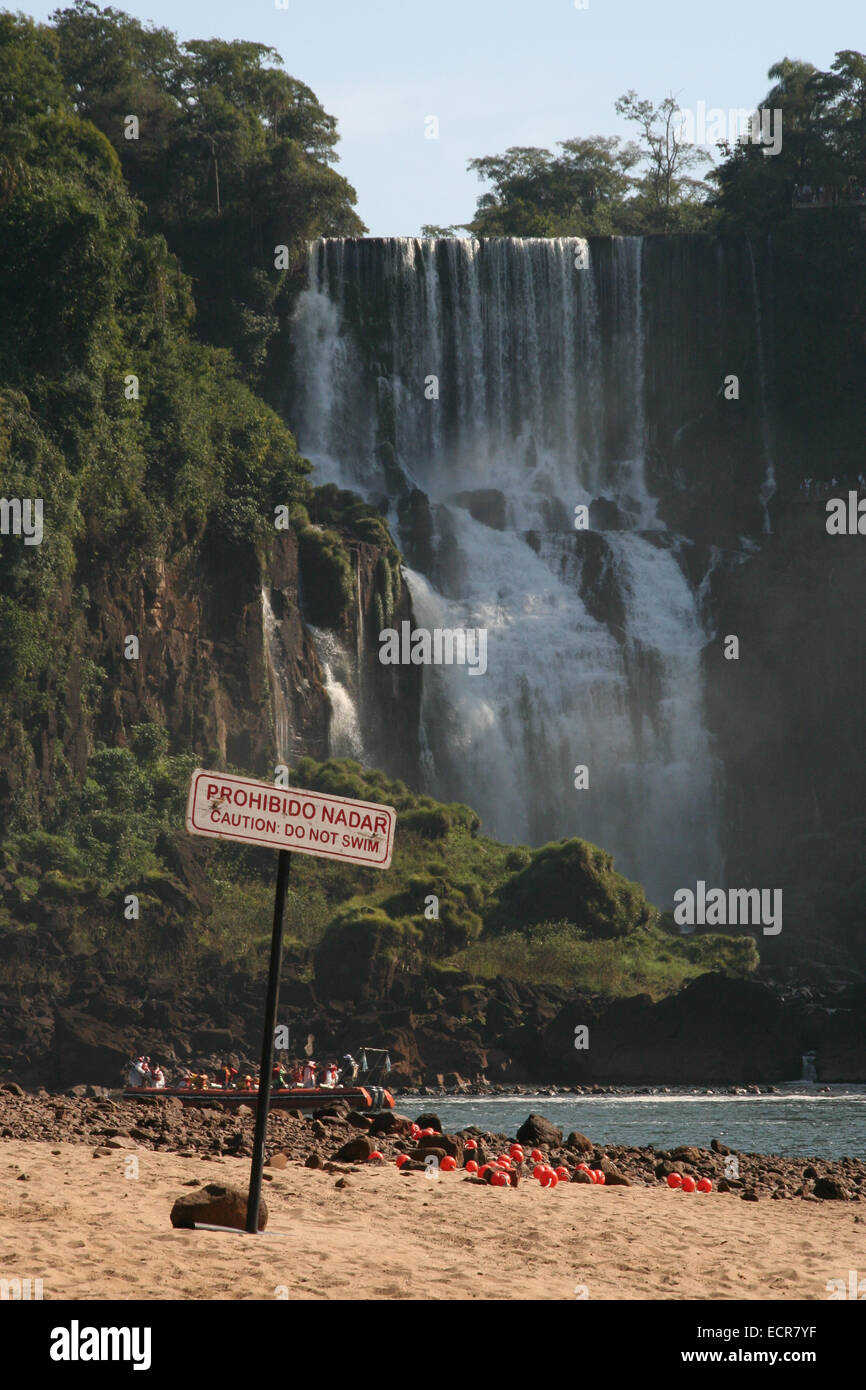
90	1232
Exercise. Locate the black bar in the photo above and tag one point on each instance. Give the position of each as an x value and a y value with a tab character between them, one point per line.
284	864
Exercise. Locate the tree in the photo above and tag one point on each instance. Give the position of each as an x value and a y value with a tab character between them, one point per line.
669	196
823	142
233	157
536	193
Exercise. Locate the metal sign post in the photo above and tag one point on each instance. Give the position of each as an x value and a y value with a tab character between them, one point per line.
284	865
224	806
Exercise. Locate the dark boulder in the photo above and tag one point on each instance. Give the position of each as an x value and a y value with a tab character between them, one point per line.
215	1205
612	1175
390	1122
830	1190
537	1130
356	1150
451	1144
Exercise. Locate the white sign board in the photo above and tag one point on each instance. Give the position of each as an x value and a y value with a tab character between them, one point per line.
225	807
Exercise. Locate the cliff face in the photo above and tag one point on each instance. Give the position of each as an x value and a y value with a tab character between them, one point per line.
201	670
205	669
790	724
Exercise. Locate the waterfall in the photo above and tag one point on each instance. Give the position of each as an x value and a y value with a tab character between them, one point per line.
506	383
808	1068
768	487
275	662
344	732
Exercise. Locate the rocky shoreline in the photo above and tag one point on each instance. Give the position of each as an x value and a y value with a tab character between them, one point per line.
336	1139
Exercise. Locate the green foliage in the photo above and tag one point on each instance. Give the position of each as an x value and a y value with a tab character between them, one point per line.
600	185
595	187
234	158
647	962
535	193
576	882
91	295
327	576
111	836
823	116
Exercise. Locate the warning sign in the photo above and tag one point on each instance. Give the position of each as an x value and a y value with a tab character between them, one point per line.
225	807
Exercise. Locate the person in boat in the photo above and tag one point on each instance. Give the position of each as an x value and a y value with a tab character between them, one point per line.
310	1070
226	1076
247	1083
349	1069
278	1076
157	1077
297	1074
331	1075
138	1073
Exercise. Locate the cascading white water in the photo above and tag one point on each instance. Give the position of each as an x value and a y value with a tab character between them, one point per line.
594	638
344	732
275	662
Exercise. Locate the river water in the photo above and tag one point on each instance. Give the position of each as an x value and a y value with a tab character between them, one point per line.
795	1122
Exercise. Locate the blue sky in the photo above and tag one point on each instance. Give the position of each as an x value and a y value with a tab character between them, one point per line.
501	72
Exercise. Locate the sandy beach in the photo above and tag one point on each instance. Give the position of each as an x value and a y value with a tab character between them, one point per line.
88	1231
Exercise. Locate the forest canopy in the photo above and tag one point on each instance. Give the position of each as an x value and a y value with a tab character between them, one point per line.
602	185
143	187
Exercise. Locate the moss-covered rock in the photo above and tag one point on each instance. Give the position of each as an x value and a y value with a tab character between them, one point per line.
576	882
359	953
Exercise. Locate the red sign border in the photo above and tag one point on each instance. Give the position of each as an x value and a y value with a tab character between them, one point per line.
290	845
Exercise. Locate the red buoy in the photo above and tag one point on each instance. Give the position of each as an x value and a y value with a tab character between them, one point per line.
499	1179
674	1180
471	1144
448	1164
536	1155
471	1166
401	1159
705	1185
688	1184
539	1171
375	1154
562	1172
